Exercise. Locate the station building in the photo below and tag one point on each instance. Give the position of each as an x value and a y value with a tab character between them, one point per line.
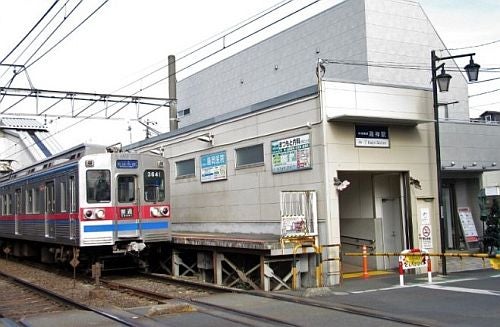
318	140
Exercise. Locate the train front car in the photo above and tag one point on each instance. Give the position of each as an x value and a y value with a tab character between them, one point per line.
124	207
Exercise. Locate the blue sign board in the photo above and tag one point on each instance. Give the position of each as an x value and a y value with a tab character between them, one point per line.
213	166
127	164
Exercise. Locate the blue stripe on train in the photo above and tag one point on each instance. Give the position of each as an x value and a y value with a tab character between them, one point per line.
125	227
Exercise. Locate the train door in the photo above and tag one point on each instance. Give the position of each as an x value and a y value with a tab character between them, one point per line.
73	212
18	206
128	222
50	206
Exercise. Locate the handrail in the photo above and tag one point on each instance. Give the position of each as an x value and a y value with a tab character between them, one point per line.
359	245
358	239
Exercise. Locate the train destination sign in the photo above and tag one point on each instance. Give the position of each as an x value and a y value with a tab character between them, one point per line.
372	136
213	167
127	164
290	154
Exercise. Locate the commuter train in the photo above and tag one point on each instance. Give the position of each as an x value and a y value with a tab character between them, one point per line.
88	204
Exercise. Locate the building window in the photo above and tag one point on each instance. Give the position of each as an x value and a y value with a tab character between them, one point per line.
250	156
185	168
182	113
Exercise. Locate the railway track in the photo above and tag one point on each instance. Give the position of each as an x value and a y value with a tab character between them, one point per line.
166	295
194	293
19	299
25	299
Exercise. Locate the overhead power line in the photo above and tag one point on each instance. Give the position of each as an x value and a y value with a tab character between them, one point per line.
83	96
211	40
475	46
66	36
483	93
31	30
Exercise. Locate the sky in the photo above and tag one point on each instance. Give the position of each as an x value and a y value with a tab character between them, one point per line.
123	48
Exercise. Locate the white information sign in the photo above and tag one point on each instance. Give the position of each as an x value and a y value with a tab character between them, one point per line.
425	234
468	226
291	154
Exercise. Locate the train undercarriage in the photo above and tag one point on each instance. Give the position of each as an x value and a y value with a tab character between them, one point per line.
121	256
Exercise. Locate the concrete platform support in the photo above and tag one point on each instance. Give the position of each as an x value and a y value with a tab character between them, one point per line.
332	264
179	267
273	282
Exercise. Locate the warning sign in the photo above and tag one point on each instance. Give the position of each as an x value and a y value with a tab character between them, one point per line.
425	234
468	226
414	258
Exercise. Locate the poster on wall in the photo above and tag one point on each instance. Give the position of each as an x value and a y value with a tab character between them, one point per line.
425	233
468	226
299	217
372	136
213	167
291	154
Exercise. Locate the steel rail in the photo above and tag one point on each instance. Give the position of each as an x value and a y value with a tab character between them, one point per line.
345	308
71	302
158	296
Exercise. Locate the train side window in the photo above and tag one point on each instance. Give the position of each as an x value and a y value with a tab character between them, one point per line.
37	199
154	185
49	197
4	204
98	186
126	188
62	193
72	194
29	201
9	204
19	202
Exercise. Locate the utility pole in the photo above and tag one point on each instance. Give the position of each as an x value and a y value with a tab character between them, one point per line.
172	93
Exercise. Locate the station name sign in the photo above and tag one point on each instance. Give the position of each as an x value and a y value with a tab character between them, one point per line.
372	136
213	167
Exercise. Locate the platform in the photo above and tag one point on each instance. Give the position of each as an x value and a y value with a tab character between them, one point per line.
260	261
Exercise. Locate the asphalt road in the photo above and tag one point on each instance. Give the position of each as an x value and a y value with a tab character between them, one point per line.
460	299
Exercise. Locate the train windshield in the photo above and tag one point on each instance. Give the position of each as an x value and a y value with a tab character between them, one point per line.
98	186
154	185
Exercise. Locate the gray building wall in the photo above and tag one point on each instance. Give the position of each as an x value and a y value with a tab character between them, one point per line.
465	143
377	41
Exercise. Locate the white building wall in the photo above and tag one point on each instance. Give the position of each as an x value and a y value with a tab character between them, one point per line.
411	150
248	201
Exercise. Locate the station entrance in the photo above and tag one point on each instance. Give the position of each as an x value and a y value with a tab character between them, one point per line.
374	212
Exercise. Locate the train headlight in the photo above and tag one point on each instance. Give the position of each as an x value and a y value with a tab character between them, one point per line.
155	212
165	211
88	214
99	213
160	212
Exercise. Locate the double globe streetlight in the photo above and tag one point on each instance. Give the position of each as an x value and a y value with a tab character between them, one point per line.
443	82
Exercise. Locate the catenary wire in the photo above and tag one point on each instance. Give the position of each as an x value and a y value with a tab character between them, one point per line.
67	35
474	46
203	44
31	30
40	32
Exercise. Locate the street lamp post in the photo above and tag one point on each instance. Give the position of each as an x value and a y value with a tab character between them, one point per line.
443	81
